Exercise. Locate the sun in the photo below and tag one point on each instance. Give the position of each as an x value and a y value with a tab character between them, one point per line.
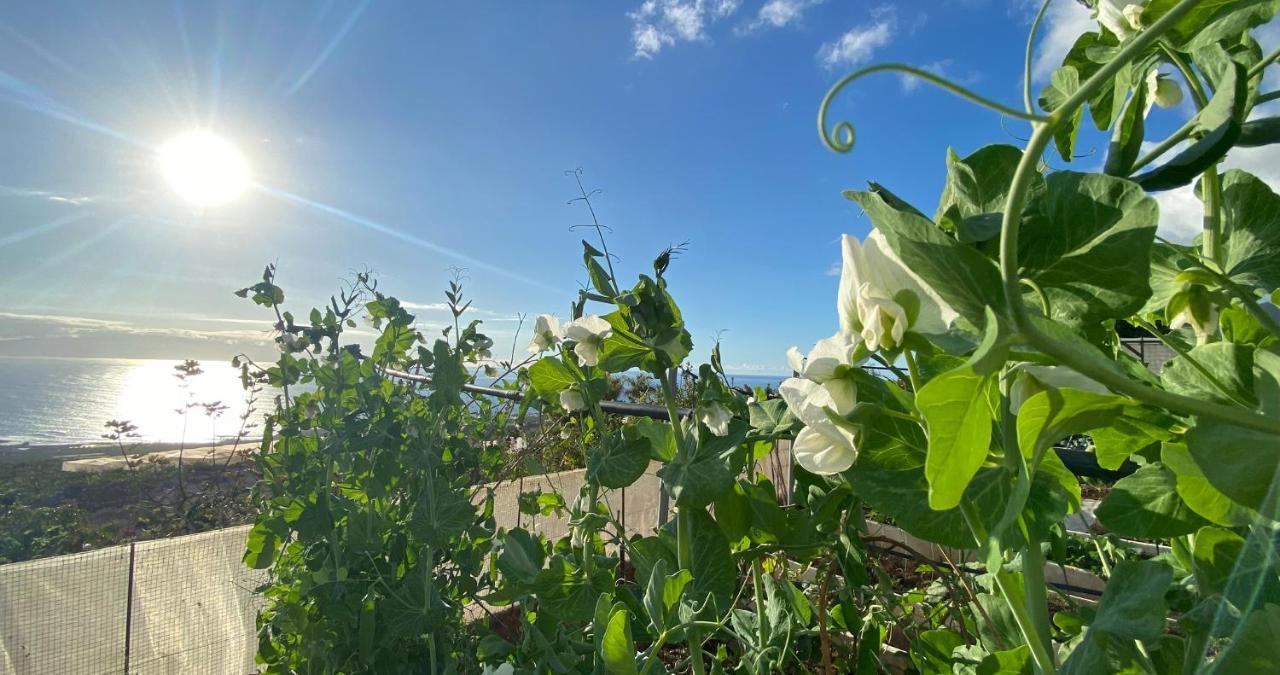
204	169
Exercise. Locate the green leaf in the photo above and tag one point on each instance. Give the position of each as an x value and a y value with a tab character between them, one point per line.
1085	240
1210	20
1251	216
697	478
1054	414
1254	648
1132	608
1146	504
962	276
1016	661
1199	493
957	409
1241	463
662	593
979	183
662	441
1138	428
931	651
620	460
714	571
549	377
619	650
1230	365
521	556
1215	554
1063	84
771	417
262	547
1241	327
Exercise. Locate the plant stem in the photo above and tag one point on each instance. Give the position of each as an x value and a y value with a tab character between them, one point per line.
1036	590
1081	360
1212	186
1026	66
1261	65
684	517
757	586
1008	590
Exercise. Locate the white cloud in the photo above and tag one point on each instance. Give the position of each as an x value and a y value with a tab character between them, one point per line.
780	13
1182	213
835	269
1064	22
860	43
942	68
658	24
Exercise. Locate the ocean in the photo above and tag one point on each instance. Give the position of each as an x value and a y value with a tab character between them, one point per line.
56	401
64	401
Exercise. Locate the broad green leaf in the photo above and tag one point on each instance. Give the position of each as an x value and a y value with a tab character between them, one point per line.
979	183
1229	365
1054	414
1085	240
1199	493
1251	213
957	409
549	377
619	650
1132	608
1016	661
1210	20
710	561
1242	328
262	547
521	556
620	460
1146	505
1215	554
662	594
1254	649
962	276
1063	84
1241	463
662	442
771	417
931	651
1138	428
645	553
697	478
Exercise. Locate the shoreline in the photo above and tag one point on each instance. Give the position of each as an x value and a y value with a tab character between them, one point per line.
21	452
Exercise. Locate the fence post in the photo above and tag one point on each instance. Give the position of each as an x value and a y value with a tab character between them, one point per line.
664	505
128	606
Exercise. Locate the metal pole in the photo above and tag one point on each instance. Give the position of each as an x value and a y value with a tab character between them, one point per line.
128	607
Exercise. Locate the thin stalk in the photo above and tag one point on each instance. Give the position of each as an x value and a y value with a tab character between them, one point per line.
1035	591
757	586
1039	653
1269	96
1166	145
1267	60
684	517
1080	360
1026	66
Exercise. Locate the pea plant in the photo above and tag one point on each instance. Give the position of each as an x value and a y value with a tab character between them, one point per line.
1000	320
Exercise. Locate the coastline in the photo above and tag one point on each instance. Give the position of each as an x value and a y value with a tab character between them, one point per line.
17	453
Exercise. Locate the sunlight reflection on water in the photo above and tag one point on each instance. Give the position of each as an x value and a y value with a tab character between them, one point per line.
55	401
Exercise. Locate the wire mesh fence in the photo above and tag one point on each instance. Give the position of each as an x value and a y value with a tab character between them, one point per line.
180	605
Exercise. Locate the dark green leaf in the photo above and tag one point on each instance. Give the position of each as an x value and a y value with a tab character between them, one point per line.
1146	505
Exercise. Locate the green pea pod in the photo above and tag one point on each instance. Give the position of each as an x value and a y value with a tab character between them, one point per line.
1193	161
1260	132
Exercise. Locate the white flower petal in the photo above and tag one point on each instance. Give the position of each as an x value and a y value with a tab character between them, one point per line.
795	360
716	418
828	354
571	400
818	454
588	352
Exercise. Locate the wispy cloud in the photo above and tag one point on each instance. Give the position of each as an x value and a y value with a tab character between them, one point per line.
942	67
48	195
860	43
658	24
779	13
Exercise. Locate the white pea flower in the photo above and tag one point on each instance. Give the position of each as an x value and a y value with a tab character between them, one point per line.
571	400
1122	18
820	367
1194	310
589	333
1162	91
546	333
822	447
1031	379
873	285
715	417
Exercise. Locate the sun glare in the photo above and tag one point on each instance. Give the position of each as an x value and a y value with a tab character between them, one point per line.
203	169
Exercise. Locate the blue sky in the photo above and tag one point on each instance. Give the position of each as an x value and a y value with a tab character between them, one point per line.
411	138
